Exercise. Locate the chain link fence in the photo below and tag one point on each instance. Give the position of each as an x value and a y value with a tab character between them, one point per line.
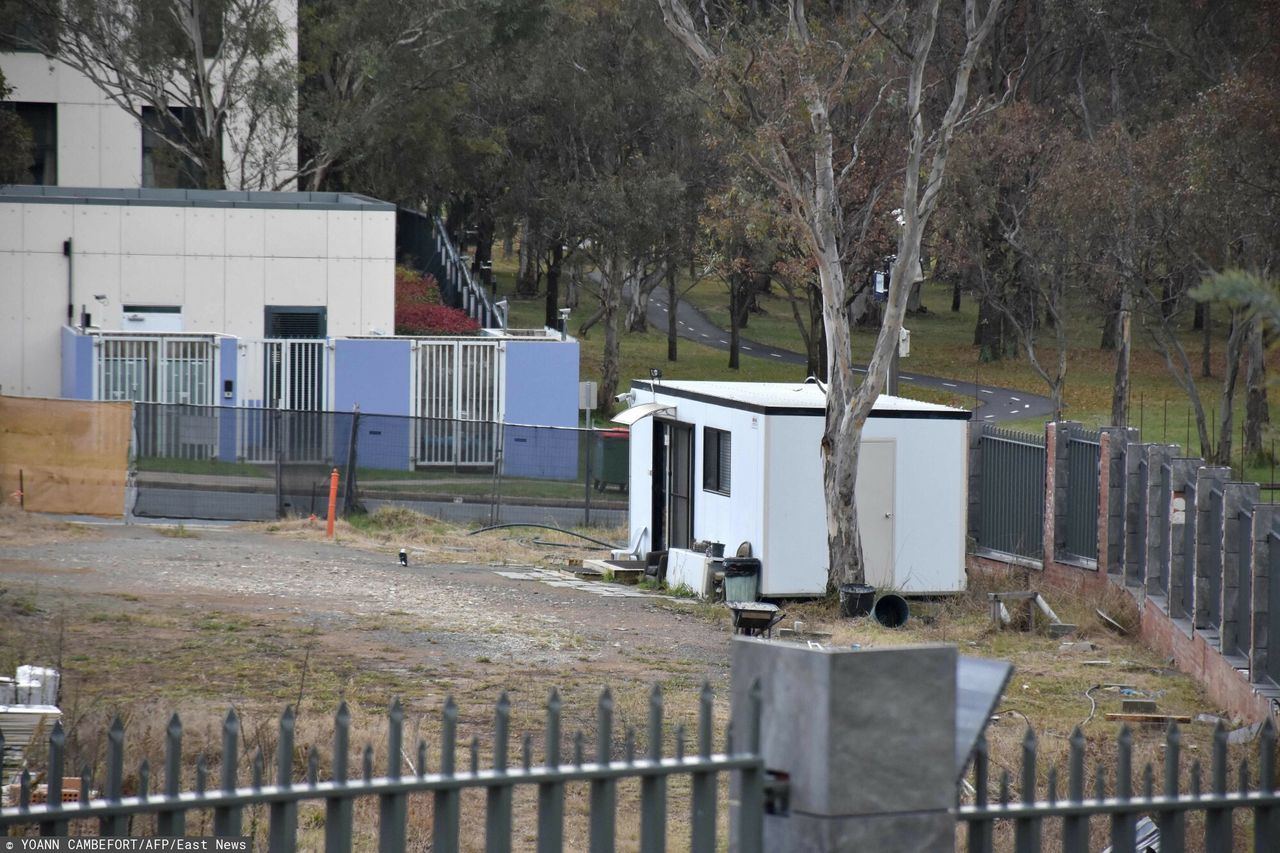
212	462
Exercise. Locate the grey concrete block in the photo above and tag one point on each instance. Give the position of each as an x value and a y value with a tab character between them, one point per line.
929	832
860	732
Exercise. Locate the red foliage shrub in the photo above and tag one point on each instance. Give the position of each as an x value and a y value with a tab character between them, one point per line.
414	287
419	318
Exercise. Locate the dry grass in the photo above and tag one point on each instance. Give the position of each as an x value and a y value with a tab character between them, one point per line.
31	528
429	540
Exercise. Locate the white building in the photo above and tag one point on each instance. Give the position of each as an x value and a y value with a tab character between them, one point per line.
84	139
206	262
735	462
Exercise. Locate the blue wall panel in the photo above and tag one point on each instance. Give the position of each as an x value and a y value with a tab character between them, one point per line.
542	389
77	365
375	375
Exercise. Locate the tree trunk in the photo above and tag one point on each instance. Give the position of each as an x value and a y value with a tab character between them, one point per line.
989	333
1124	341
1257	415
610	302
1111	326
482	264
552	313
673	298
530	267
1206	342
955	296
735	316
915	302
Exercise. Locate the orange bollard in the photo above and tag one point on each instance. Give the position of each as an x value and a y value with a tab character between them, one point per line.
333	502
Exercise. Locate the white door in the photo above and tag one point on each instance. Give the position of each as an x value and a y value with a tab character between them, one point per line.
874	496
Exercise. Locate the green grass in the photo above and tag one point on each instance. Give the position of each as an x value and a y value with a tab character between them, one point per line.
941	345
203	466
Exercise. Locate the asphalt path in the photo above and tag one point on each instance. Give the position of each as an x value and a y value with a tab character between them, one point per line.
995	404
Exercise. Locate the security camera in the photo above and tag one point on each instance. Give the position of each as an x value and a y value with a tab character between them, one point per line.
627	397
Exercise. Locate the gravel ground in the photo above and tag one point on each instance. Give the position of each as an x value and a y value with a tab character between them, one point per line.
458	612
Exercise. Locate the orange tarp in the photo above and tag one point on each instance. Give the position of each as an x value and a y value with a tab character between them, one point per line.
71	456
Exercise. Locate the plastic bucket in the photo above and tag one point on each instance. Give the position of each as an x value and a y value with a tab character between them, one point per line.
715	550
891	611
856	599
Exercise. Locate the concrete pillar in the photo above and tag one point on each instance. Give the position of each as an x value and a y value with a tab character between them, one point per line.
975	482
1181	559
1208	543
1261	617
1155	561
1113	484
1057	435
1135	502
867	739
1237	499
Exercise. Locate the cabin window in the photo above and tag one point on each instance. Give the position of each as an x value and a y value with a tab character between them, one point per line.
716	456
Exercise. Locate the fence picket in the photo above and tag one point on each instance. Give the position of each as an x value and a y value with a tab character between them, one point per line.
57	758
498	796
704	782
337	810
1026	831
1171	822
603	791
283	817
551	794
226	819
1217	822
447	802
653	789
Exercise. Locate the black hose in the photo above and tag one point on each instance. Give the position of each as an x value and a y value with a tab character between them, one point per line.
549	527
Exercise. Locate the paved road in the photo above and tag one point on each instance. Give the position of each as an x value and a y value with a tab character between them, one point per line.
998	404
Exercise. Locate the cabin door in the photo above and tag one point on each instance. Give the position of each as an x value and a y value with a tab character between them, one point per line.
672	485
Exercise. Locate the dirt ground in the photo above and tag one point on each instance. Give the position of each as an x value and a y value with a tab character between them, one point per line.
144	621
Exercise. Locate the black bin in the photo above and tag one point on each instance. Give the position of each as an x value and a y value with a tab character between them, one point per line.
856	599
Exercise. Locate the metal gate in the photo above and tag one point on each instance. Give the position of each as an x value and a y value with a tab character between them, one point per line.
1083	453
457	402
178	369
1011	515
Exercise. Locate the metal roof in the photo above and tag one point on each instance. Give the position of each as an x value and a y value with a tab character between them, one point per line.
786	396
152	197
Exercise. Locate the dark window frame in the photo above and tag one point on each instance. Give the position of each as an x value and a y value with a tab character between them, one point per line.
717	460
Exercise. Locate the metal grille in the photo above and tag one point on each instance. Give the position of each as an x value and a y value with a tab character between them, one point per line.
1273	606
1186	602
155	368
1210	536
117	814
1083	455
458	391
1012	492
1127	802
285	373
1241	638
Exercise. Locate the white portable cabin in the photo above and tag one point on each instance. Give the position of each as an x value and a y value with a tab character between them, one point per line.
737	462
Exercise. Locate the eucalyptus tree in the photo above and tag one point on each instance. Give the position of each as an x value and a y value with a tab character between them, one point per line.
212	80
807	88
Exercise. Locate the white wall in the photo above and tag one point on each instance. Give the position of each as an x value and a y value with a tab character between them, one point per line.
100	144
930	500
777	502
222	265
795	521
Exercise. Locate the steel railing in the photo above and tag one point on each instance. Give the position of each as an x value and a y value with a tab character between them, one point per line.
601	772
1114	798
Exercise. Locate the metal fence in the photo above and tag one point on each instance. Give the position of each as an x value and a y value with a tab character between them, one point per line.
1082	495
242	464
165	812
1163	806
1011	519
